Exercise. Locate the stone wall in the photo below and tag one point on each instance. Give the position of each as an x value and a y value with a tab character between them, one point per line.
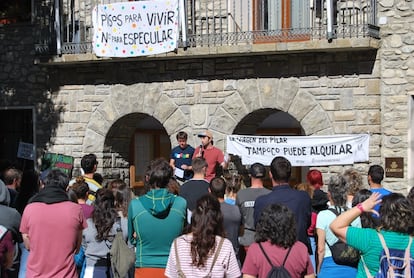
328	93
397	81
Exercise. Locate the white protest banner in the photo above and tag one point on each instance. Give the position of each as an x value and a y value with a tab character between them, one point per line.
137	28
301	150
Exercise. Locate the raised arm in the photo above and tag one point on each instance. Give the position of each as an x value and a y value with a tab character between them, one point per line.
340	225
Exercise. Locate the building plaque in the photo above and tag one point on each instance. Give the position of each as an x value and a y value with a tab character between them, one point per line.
394	167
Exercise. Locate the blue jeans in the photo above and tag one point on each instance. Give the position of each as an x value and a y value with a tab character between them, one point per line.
23	260
313	247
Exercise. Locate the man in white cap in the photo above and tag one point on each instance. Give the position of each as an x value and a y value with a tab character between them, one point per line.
213	156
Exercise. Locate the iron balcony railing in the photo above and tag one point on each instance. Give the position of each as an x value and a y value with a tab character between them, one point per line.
65	26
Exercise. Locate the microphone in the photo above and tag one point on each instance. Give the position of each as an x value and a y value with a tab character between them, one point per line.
201	150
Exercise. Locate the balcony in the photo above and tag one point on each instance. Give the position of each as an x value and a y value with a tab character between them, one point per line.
223	27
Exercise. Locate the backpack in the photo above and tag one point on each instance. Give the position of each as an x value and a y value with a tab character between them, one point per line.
120	258
393	262
277	271
342	253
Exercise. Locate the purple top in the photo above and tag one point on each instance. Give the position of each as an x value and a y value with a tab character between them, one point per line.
87	210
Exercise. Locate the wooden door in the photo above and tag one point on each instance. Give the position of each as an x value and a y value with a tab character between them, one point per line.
146	146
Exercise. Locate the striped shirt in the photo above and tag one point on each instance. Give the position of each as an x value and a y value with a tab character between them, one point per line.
225	266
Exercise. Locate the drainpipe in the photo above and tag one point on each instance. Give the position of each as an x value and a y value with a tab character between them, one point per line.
330	25
57	27
183	20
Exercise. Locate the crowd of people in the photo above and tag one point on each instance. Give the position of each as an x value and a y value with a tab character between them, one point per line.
191	221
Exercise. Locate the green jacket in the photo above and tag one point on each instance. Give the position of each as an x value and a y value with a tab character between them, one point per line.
156	218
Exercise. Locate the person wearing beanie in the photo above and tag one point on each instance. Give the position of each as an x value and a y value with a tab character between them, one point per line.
245	201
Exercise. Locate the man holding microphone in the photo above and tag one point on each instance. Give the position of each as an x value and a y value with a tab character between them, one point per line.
213	156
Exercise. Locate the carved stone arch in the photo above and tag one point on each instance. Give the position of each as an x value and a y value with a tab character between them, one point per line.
271	105
311	115
124	100
278	94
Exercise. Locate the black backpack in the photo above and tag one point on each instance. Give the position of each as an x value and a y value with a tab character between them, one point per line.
342	253
277	271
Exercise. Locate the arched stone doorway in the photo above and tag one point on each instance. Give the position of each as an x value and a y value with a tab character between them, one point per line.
131	143
273	122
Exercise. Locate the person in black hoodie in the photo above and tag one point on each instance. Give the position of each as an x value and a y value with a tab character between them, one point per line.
320	198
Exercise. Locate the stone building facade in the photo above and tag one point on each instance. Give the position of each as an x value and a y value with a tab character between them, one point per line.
96	106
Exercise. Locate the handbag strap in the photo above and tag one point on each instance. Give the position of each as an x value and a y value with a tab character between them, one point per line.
330	246
108	255
267	258
337	211
177	260
108	243
108	265
216	255
118	221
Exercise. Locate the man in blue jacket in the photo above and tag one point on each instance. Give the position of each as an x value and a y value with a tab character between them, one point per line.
298	201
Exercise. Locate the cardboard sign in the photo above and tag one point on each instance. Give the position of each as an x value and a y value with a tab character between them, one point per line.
58	161
26	151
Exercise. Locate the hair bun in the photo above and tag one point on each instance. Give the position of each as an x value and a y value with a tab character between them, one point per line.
80	179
